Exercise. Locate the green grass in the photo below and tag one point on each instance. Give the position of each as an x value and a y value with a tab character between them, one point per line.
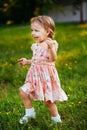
15	42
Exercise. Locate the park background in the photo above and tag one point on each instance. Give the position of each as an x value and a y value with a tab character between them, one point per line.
15	42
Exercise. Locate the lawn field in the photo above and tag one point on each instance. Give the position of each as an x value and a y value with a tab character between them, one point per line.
71	64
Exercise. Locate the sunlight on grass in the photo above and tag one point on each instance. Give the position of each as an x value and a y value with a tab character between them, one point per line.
83	25
83	33
68	55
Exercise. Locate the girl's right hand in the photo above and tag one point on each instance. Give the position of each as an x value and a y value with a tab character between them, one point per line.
22	61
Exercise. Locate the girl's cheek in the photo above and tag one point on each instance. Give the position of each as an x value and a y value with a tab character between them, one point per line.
37	33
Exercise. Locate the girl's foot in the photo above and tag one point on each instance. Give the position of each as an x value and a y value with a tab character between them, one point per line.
56	118
24	119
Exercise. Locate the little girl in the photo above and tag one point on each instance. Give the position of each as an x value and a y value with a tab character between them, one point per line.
42	81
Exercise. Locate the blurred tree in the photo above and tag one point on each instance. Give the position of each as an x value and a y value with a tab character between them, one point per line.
22	10
3	16
68	2
16	10
43	6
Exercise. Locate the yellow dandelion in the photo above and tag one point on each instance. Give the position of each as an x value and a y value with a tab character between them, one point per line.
68	95
7	113
69	68
70	105
70	88
66	64
79	102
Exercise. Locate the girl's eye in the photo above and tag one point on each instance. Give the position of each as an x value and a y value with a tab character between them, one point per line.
36	30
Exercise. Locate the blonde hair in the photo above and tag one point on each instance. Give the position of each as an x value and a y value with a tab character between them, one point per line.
47	22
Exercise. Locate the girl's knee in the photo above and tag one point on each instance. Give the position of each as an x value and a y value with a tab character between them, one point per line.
23	94
48	103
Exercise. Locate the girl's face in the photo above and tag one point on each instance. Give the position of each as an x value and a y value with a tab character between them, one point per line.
39	33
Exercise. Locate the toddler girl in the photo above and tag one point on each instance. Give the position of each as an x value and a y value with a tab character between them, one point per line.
42	81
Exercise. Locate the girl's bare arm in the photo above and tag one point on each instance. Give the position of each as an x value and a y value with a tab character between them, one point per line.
24	61
52	50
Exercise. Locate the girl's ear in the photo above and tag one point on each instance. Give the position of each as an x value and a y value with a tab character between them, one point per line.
48	32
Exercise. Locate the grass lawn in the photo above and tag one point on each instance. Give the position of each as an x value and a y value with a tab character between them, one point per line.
15	42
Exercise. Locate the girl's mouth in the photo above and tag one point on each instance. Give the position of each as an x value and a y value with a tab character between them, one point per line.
35	37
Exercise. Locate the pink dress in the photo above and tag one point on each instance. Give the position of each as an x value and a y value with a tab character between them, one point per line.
42	81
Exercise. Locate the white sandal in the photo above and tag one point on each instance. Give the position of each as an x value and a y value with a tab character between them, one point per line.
56	118
24	119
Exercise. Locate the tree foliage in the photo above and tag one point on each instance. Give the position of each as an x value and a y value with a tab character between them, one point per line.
68	2
18	10
22	10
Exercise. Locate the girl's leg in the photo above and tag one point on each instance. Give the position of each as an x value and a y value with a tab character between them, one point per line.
26	99
53	110
29	110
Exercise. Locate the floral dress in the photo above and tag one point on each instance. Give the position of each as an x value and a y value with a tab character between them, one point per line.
42	81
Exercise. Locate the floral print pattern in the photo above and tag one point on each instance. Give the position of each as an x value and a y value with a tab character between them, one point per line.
42	81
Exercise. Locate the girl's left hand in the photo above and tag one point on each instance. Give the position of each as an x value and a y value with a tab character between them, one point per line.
50	43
